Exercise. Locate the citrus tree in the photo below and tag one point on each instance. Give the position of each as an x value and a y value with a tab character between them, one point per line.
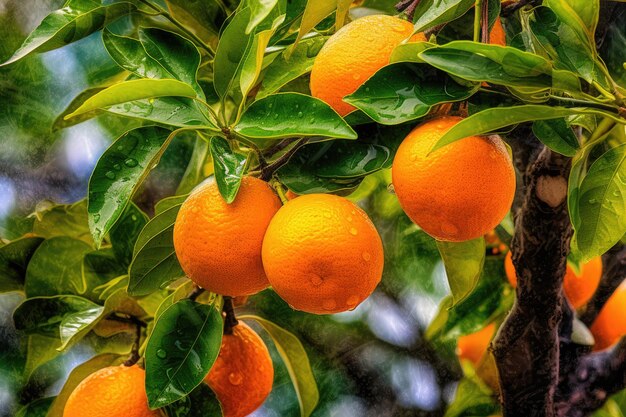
488	135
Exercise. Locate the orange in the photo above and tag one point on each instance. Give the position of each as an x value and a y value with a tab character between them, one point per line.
460	191
473	347
497	35
610	325
115	391
219	244
579	288
322	254
243	373
354	54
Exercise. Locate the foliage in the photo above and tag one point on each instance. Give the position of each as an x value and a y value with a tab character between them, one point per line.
226	82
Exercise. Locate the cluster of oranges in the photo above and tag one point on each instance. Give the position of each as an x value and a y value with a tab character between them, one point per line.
321	253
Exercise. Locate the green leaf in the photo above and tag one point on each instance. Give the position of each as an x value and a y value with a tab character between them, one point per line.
181	350
314	13
178	56
229	168
557	135
46	315
581	16
154	263
172	111
130	55
39	350
99	268
169	202
77	375
569	46
295	358
292	114
78	19
490	63
332	165
231	51
56	268
491	298
134	90
287	67
119	172
124	233
499	117
202	17
61	123
14	258
195	171
63	220
403	92
472	398
259	10
464	263
430	13
201	402
74	326
37	408
602	204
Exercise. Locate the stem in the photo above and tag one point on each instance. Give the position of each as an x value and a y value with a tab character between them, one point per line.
139	326
175	22
195	293
485	22
269	170
228	312
478	13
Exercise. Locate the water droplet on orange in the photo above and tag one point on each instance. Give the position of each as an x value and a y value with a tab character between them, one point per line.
235	378
329	304
353	231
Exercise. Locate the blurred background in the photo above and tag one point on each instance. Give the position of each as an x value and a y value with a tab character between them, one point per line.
373	361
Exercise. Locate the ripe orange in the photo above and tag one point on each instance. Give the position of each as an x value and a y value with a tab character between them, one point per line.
115	391
243	374
219	244
354	54
578	288
610	325
472	347
322	254
458	192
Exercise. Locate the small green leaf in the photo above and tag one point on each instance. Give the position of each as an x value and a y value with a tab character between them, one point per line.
134	90
430	13
403	92
229	167
74	326
259	10
202	17
78	19
154	263
181	350
178	56
130	55
14	258
602	204
314	13
195	171
77	375
56	268
287	67
499	117
172	111
557	135
231	51
125	232
297	362
99	268
472	398
292	114
464	264
119	172
61	123
491	63
45	315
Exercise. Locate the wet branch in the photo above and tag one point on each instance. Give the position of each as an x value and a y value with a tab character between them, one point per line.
527	346
228	312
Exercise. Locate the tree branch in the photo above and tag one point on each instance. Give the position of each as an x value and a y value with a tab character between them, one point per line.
597	376
228	312
527	346
614	271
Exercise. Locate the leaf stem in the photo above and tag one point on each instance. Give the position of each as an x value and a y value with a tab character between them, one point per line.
478	12
268	171
228	312
139	324
180	26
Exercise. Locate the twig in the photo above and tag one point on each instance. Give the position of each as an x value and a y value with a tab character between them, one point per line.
527	346
139	326
512	8
268	170
407	7
614	271
195	293
228	312
484	25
